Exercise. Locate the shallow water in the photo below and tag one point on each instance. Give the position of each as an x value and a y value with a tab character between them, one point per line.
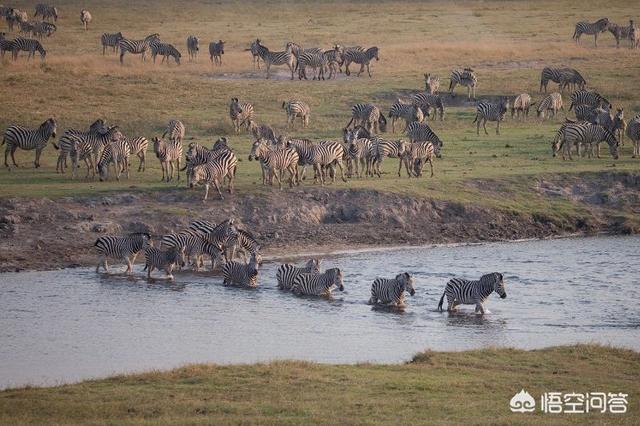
67	325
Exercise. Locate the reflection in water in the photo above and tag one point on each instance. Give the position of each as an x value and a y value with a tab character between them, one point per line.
66	325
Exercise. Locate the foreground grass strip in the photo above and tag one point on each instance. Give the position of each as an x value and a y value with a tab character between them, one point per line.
470	387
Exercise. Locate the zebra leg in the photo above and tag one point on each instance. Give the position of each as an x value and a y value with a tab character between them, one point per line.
368	70
346	68
373	299
498	128
101	261
484	126
13	155
215	183
480	308
178	168
595	39
36	163
206	192
129	265
344	179
361	69
430	160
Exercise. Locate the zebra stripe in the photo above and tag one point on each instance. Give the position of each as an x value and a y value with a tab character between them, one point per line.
28	45
255	53
85	18
386	148
465	77
197	155
295	108
90	145
368	116
116	152
28	139
193	47
408	112
621	32
427	101
68	143
167	260
196	246
587	135
315	60
633	132
46	11
360	151
168	153
276	58
572	79
165	50
317	284
237	273
139	146
240	113
211	172
418	154
126	248
175	131
465	292
110	39
261	131
431	83
276	161
327	154
287	273
589	28
42	29
241	242
361	58
391	291
420	132
488	111
521	104
584	97
6	46
552	102
216	50
137	47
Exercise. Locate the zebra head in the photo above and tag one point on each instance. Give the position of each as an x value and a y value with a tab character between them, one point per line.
258	150
407	282
335	274
614	144
50	126
221	143
498	283
221	45
382	123
313	266
234	107
372	52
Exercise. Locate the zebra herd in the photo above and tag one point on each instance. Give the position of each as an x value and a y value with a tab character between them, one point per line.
225	241
629	32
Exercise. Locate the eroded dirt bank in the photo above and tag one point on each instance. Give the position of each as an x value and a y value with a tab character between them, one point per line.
48	234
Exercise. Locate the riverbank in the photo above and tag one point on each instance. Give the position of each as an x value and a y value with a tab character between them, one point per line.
433	388
43	233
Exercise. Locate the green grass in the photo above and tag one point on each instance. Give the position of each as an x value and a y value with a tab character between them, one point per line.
437	387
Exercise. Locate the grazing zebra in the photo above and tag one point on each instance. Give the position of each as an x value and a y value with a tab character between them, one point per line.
488	111
46	11
621	32
237	273
116	152
317	284
572	79
139	145
417	156
553	74
589	28
276	161
408	112
240	113
261	131
110	39
28	45
276	58
419	132
193	47
584	97
315	60
175	131
391	291
361	58
465	292
633	132
385	148
465	77
431	84
165	50
242	242
558	143
287	273
216	50
426	101
137	47
19	137
295	109
44	29
5	46
126	248
167	260
85	18
168	153
255	53
67	144
521	104
368	116
551	102
587	134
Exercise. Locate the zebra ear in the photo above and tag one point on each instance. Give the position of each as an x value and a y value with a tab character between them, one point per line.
500	276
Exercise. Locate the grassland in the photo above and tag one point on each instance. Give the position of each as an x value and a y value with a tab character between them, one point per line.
436	388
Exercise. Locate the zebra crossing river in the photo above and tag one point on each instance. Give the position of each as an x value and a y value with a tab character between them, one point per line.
67	325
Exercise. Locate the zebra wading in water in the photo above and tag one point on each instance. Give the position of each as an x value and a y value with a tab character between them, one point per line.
126	248
590	28
236	273
459	291
287	273
137	47
488	111
28	139
318	284
167	260
391	291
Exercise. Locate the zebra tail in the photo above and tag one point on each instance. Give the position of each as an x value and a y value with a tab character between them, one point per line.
475	119
441	302
575	33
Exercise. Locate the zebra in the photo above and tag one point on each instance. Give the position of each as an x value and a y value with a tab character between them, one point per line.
67	144
521	104
237	273
420	132
633	132
110	39
155	258
29	45
44	29
241	242
408	112
619	125
368	116
295	108
621	32
27	27
276	161
88	145
551	102
276	58
465	77
571	78
168	153
195	246
418	154
139	146
261	131
317	284
361	58
20	137
589	28
316	60
488	111
193	47
359	150
587	134
85	18
46	11
327	154
634	37
137	47
553	74
216	50
584	97
333	59
126	248
219	235
431	84
391	291
198	155
585	113
5	46
466	292
427	101
116	152
210	172
165	50
240	113
385	148
255	53
287	273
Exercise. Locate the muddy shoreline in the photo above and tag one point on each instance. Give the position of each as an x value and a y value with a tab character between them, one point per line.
42	234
